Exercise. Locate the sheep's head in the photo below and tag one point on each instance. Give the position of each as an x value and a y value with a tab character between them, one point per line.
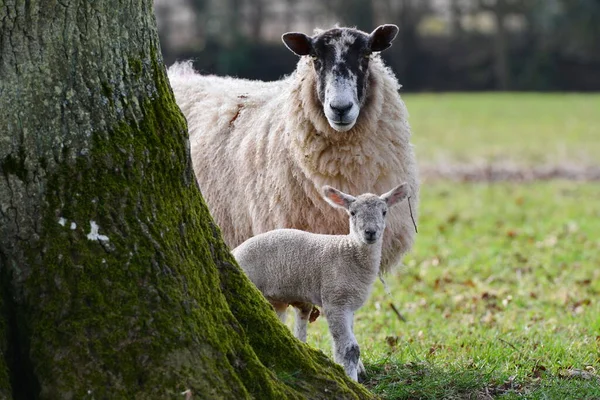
367	211
341	61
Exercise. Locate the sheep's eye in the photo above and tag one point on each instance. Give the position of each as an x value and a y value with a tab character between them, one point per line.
352	213
384	212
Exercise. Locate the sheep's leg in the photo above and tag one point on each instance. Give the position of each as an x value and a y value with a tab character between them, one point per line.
280	309
303	311
345	347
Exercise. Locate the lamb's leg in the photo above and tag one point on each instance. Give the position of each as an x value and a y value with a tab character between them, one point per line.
362	372
345	346
303	311
280	309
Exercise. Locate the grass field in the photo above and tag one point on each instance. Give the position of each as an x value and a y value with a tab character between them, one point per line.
501	292
520	128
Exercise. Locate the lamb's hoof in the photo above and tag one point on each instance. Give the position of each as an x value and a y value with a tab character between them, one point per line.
361	372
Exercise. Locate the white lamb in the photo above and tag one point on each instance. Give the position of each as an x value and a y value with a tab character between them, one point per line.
302	269
261	151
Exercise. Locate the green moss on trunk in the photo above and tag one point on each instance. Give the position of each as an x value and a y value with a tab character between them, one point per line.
120	285
139	313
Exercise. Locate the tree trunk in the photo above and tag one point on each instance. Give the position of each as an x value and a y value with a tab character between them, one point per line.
5	388
456	14
114	280
289	14
257	20
501	66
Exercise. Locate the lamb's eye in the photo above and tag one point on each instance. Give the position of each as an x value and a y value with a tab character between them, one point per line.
384	212
352	213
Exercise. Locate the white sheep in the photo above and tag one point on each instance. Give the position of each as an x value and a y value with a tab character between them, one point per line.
261	151
302	269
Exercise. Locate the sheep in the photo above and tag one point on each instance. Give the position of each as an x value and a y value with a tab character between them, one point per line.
261	151
336	272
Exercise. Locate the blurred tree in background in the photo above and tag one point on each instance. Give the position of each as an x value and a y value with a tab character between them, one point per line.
442	44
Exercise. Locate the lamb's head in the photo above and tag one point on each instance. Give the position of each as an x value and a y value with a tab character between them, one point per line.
341	62
367	211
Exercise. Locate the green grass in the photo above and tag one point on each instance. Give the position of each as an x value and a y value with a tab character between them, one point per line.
522	128
500	296
501	292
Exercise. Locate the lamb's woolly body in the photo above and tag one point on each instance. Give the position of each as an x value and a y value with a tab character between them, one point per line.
292	267
262	150
334	269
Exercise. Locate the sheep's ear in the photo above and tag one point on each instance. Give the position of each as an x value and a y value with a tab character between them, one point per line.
381	38
299	43
337	198
395	195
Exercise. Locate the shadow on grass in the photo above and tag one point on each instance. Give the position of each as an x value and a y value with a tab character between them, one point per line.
422	380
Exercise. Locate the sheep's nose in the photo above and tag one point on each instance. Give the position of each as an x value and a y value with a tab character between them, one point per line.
340	109
369	234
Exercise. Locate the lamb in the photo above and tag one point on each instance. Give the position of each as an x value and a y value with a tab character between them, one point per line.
302	269
261	151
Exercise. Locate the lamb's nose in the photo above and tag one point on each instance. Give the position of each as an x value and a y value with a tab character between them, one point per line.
340	109
369	234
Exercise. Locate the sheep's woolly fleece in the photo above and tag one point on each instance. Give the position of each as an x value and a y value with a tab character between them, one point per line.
261	151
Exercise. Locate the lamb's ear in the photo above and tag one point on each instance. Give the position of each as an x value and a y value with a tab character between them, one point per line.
395	195
299	43
381	38
337	198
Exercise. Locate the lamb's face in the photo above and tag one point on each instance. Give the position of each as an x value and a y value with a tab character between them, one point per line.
367	211
367	218
340	57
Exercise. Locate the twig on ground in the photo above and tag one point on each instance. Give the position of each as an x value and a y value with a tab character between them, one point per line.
411	215
510	344
395	310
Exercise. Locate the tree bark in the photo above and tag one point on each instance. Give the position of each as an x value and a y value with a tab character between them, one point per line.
114	280
500	10
501	66
5	387
257	20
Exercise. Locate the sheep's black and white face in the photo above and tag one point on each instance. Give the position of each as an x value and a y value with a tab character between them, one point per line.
341	60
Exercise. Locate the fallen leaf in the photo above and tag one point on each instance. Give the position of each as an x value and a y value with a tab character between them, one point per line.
538	371
575	373
469	283
488	296
433	349
590	369
391	341
488	318
452	218
584	302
